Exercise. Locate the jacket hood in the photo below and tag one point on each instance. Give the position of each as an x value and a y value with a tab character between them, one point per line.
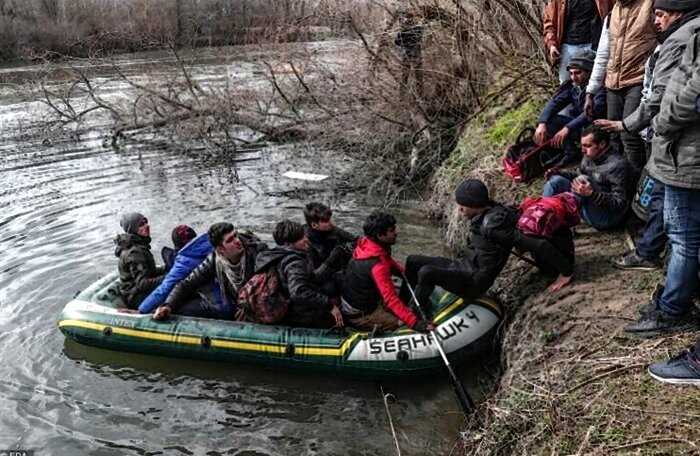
367	248
198	247
270	257
125	241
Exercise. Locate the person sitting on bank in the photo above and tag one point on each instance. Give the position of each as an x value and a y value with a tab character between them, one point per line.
491	237
600	184
330	248
138	274
554	256
369	297
231	264
181	235
309	307
565	131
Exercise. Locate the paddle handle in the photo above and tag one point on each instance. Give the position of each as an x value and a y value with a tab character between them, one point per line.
465	401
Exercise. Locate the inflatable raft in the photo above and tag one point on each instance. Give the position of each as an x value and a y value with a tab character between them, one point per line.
92	318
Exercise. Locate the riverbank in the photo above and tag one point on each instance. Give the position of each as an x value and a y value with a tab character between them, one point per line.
573	382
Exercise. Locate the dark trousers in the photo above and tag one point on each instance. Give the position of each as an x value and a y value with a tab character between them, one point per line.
572	150
622	103
424	273
654	239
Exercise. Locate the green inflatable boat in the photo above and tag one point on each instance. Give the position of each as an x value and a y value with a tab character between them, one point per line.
93	318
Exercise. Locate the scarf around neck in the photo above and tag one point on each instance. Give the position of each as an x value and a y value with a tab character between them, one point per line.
229	272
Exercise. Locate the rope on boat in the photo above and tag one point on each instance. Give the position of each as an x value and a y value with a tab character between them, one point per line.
386	398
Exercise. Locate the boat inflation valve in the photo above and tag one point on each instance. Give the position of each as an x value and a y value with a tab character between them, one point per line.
107	331
402	355
206	342
289	350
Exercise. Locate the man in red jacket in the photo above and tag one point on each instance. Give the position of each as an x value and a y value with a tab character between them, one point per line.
369	297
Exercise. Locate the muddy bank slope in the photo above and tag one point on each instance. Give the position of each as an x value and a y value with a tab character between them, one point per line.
573	382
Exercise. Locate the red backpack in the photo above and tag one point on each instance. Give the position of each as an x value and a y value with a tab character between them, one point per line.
261	298
545	215
525	160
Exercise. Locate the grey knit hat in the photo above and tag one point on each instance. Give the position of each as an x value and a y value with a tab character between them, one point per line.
583	60
677	5
130	222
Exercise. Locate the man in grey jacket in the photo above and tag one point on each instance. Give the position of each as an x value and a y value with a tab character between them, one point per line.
679	124
675	161
673	20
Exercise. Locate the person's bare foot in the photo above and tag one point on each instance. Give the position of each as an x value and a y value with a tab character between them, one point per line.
560	283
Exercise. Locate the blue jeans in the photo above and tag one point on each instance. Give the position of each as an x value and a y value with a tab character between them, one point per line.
596	216
682	225
653	240
567	51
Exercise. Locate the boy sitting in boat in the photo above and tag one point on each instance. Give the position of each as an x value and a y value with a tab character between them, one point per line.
309	306
231	264
369	296
181	236
138	274
330	248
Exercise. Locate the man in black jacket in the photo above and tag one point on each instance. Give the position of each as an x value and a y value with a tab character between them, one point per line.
231	264
491	239
600	184
138	274
330	248
308	306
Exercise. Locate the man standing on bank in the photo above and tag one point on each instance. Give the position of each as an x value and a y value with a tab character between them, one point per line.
571	26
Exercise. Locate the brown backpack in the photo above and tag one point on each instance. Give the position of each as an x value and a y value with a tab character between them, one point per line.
261	298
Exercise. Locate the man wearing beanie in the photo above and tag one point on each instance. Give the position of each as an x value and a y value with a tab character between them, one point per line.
491	229
138	274
565	131
674	20
675	162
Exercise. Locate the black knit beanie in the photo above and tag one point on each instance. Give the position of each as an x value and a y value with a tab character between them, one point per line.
472	193
676	5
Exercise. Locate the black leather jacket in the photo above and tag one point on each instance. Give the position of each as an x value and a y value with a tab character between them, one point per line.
206	273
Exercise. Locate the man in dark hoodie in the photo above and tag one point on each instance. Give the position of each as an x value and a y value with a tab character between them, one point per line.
492	230
231	264
330	248
138	274
309	307
369	296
